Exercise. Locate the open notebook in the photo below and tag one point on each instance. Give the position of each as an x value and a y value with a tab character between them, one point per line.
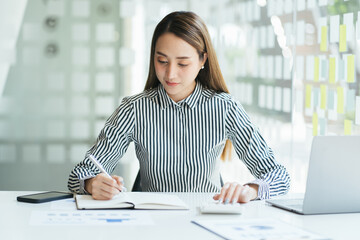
135	200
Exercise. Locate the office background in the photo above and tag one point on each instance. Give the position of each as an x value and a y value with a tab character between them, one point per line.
66	64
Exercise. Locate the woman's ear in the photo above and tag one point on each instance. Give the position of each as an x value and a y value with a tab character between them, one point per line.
204	59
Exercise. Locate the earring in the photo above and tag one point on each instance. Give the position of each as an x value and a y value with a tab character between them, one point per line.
202	67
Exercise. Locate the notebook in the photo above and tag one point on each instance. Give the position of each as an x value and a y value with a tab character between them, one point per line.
134	200
332	181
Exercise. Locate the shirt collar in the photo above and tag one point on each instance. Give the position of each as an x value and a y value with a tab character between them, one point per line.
191	100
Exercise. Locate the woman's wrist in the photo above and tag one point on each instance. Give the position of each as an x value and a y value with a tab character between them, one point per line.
88	185
253	188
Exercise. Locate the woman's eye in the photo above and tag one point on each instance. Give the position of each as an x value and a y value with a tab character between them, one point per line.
162	62
182	65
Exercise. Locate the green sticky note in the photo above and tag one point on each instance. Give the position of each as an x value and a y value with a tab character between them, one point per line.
323	95
350	68
340	102
316	69
342	38
315	121
323	42
332	67
308	96
347	127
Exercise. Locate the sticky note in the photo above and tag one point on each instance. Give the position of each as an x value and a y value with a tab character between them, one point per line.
332	68
308	96
261	97
315	121
323	95
324	69
322	126
340	101
270	37
270	67
350	100
323	43
347	127
322	22
331	100
269	97
300	32
300	67
316	96
334	28
309	67
342	38
350	68
278	96
278	67
348	20
316	69
341	69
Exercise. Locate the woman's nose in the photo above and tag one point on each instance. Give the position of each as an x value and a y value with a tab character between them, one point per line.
171	71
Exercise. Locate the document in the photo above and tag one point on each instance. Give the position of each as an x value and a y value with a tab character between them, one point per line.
78	218
135	200
255	229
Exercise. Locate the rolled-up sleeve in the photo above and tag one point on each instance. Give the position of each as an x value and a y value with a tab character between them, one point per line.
271	177
109	147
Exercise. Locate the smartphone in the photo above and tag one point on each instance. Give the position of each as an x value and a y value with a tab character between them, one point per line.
44	197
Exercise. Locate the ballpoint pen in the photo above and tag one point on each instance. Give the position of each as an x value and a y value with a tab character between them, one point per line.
100	167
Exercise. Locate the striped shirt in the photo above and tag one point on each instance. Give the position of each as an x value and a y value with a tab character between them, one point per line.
178	144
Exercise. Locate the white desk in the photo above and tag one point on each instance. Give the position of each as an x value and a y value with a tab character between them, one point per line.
14	222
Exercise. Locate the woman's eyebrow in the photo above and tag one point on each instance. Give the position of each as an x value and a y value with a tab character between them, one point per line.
163	54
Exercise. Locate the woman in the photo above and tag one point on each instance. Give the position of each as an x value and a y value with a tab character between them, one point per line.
180	124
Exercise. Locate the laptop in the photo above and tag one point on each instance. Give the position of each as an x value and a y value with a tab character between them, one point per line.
333	178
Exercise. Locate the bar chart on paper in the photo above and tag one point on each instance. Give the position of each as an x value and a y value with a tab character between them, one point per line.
118	218
255	229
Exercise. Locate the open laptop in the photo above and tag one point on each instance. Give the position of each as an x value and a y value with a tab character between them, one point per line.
333	178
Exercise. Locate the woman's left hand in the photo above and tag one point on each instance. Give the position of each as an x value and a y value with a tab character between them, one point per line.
237	193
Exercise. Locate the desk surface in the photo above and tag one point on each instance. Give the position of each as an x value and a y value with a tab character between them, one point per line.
15	216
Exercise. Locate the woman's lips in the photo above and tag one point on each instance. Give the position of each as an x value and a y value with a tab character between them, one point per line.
172	84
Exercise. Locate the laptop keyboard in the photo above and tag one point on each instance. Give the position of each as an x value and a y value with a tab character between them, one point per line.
291	203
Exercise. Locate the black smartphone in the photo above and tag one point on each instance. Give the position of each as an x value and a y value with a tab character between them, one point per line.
44	197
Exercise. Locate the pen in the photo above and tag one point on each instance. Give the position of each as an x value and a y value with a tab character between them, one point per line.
100	167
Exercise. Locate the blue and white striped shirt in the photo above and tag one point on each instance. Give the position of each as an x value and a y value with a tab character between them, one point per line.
178	144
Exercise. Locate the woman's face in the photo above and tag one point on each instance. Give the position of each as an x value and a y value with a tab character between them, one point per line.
177	64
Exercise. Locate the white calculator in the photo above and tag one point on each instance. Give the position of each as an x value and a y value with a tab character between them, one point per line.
220	208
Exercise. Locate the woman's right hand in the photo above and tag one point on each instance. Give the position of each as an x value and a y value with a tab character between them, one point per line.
102	187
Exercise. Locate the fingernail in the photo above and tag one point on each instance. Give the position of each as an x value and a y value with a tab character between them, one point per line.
220	200
233	201
227	201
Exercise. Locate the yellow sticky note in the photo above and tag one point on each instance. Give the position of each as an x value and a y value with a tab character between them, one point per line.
323	94
316	69
315	121
350	68
342	38
323	42
308	96
347	127
340	102
332	67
